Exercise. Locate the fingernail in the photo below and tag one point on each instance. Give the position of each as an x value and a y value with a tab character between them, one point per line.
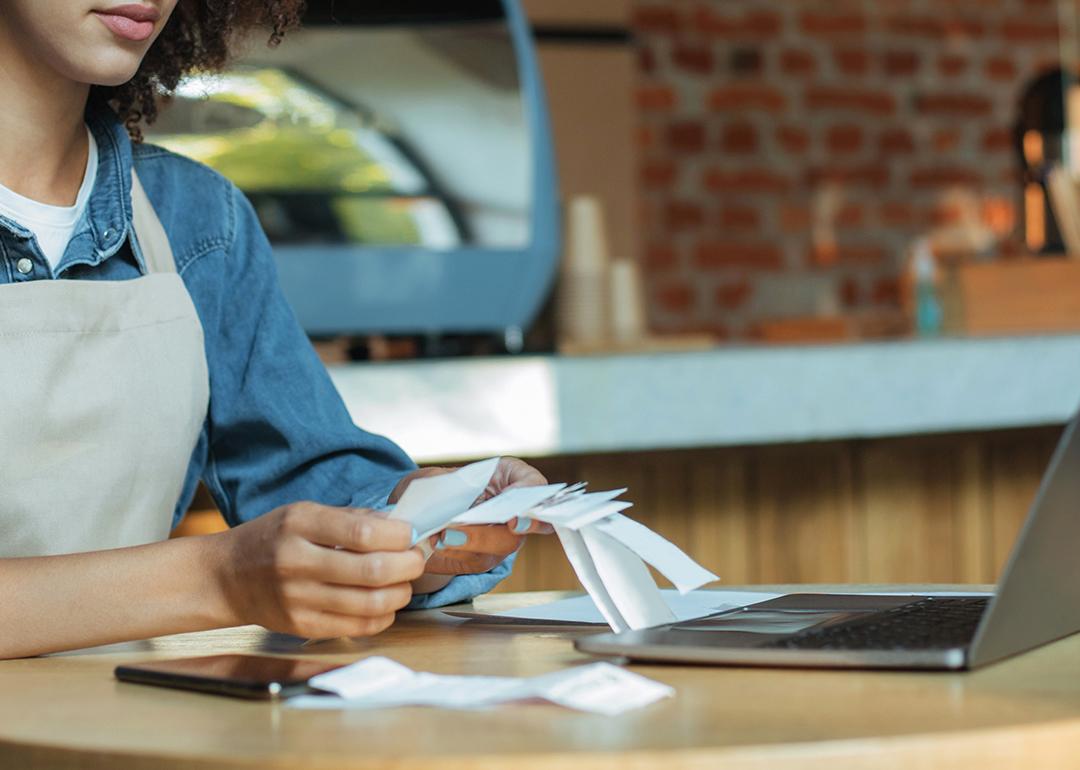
522	525
453	537
415	537
425	548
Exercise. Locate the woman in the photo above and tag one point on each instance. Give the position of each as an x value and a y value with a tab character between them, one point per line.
145	345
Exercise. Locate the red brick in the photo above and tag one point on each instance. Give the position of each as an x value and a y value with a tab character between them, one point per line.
886	291
844	139
850	215
945	213
694	58
852	61
676	297
739	138
1028	31
862	254
849	292
966	104
656	98
742	97
895	141
646	137
686	136
683	215
939	176
952	65
935	27
1001	69
720	254
754	25
747	181
761	25
646	60
657	18
900	62
798	62
732	296
658	174
998	140
661	256
832	25
851	99
874	176
739	217
946	140
795	219
898	214
794	140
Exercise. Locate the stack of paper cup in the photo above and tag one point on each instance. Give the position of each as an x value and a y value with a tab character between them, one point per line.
627	299
583	289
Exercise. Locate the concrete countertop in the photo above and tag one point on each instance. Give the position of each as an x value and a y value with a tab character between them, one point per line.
536	406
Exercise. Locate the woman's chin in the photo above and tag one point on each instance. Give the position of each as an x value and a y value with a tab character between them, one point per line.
109	68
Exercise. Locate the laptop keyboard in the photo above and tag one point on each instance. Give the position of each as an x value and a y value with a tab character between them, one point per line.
927	624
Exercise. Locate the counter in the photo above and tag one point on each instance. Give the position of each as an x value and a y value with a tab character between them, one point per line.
546	406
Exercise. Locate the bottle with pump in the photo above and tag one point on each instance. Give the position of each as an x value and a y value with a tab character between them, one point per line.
928	310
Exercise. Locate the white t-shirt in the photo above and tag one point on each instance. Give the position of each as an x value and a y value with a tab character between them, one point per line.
52	225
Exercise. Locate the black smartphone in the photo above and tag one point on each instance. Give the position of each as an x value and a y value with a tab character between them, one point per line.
242	676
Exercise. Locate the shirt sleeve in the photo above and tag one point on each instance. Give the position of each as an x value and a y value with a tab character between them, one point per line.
463	587
277	430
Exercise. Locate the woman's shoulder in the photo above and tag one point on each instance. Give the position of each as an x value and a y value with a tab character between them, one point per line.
196	205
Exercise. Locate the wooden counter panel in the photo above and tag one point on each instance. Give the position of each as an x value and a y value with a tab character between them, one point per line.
942	509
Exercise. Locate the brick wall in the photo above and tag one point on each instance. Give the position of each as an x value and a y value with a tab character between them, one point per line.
793	149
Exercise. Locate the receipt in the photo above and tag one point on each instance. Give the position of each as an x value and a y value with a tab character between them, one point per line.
378	682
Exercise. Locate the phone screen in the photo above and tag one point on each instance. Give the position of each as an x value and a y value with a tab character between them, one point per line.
246	676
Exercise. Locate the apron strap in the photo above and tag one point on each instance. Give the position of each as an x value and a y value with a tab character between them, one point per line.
151	237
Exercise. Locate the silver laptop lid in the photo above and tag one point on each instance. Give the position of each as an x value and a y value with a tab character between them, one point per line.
1038	596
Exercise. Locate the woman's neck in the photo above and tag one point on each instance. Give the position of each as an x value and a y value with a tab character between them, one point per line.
44	148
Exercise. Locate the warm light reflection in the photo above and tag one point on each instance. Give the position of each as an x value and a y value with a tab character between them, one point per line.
1035	216
274	135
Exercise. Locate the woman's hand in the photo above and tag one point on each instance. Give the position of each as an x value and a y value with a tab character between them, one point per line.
316	571
470	550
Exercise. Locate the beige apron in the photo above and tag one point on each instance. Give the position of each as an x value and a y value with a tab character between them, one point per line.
105	390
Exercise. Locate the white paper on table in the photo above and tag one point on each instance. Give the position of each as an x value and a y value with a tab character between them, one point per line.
508	505
627	581
375	682
600	688
431	502
582	610
684	573
577	553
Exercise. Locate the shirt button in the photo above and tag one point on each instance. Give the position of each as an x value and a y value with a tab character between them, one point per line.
24	266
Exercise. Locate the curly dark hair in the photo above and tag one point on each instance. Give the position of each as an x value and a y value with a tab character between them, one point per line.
199	36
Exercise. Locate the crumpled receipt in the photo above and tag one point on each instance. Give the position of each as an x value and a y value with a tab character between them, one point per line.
378	682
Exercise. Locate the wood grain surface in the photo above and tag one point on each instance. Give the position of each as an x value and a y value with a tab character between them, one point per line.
69	712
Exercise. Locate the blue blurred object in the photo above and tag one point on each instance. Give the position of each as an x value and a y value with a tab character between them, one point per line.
468	288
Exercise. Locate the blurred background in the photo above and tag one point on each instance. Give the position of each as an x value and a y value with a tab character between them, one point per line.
801	274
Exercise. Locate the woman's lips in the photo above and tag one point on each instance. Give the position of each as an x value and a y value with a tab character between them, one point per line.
133	22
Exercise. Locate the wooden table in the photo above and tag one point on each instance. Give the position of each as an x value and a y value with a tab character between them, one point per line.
68	711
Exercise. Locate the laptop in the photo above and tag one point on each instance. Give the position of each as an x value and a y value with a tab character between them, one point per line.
1036	602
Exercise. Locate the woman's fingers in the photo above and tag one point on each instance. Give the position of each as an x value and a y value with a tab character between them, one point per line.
354	530
368	570
350	601
492	539
526	526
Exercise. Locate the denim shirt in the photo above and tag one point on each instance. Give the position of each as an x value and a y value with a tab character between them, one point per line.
276	430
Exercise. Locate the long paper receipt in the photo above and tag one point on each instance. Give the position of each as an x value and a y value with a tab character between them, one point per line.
608	551
378	682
